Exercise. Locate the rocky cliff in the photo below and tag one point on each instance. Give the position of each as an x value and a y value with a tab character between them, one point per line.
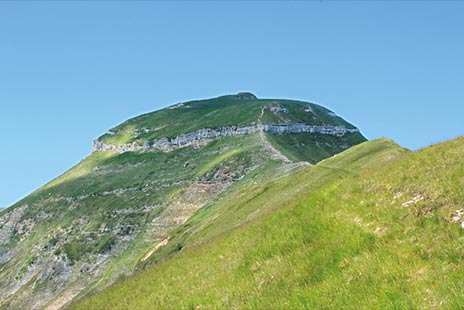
205	135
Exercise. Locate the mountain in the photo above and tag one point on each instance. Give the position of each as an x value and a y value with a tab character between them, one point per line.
286	123
129	204
374	227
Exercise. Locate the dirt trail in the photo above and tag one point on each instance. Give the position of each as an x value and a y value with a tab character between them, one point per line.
276	154
156	247
181	209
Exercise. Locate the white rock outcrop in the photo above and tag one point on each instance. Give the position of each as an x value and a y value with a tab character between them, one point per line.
207	134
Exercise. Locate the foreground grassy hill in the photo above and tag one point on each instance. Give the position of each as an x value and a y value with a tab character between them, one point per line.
373	227
105	217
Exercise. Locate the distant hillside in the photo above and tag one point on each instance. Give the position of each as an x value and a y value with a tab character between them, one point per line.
145	178
375	227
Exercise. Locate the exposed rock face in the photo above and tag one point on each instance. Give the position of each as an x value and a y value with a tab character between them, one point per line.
279	129
205	135
129	147
309	109
278	110
55	269
176	106
246	96
8	223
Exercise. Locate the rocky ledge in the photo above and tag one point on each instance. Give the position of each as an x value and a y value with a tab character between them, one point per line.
205	135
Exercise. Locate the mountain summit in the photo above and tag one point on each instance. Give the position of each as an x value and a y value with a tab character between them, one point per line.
145	178
294	127
246	96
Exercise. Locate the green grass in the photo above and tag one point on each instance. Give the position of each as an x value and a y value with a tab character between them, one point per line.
70	211
328	236
315	147
217	113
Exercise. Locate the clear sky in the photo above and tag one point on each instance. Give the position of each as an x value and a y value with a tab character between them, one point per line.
71	70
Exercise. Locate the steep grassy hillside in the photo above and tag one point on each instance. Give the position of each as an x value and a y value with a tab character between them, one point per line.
373	227
239	110
93	223
106	216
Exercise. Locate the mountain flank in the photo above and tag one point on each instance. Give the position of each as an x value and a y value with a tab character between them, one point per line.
123	207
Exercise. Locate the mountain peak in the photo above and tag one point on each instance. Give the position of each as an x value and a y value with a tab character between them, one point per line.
300	127
246	96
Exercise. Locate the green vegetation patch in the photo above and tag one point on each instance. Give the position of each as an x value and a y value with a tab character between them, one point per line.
313	147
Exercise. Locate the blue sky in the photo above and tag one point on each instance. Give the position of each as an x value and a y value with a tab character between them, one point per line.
71	70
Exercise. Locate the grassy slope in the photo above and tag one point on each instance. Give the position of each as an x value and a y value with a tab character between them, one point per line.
72	228
216	113
335	235
313	148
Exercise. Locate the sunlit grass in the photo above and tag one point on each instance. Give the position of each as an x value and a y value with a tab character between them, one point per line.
324	237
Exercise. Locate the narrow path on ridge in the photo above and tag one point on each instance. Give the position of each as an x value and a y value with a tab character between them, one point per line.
276	154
